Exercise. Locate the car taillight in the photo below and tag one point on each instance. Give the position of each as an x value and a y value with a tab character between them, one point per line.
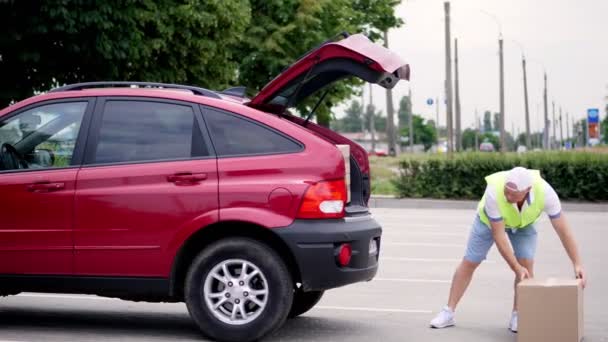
324	199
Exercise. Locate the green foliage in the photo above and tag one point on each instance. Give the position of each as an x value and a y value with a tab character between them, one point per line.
496	123
468	139
404	112
424	132
282	31
62	41
352	122
211	43
574	175
487	121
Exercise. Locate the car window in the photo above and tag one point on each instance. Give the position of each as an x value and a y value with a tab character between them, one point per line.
137	131
233	135
42	137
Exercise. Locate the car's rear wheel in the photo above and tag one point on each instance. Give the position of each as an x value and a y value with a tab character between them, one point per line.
304	301
238	289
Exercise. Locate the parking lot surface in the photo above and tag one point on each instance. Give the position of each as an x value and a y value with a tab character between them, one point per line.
420	249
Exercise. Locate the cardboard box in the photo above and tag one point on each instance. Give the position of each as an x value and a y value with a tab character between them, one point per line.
550	310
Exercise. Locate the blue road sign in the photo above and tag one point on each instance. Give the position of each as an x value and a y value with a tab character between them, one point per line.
593	115
430	102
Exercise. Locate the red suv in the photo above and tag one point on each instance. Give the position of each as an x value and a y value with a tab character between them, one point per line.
169	193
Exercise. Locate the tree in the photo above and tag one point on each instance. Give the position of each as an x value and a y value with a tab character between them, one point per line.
468	139
212	43
380	122
496	124
282	31
404	112
487	121
424	133
371	109
353	121
58	42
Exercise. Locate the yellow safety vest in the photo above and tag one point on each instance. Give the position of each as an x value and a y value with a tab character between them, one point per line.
512	217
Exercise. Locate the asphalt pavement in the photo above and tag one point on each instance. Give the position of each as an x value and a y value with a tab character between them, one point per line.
420	249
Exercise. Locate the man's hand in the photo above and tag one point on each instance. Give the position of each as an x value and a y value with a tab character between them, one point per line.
522	273
580	273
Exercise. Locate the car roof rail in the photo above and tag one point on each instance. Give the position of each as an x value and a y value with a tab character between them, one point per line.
235	91
92	85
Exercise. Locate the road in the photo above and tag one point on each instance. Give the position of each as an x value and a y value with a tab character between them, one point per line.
420	249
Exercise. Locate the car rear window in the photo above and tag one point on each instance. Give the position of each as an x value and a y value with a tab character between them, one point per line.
234	135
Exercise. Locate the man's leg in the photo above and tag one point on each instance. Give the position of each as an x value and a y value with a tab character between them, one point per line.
479	243
460	281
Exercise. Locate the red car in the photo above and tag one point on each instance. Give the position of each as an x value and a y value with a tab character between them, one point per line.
169	193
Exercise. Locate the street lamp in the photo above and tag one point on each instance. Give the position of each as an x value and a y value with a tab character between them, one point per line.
523	62
503	147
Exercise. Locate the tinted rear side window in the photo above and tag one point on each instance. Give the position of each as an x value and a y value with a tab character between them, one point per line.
236	136
133	131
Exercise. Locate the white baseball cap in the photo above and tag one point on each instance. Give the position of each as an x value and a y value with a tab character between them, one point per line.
519	179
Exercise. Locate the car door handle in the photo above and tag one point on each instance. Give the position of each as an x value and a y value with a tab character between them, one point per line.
45	187
187	178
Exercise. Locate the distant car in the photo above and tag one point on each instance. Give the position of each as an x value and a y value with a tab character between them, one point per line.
486	147
378	153
522	149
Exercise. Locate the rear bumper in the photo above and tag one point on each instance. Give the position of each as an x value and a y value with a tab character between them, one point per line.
314	245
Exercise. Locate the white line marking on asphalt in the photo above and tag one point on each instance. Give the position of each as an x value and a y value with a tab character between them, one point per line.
60	296
404	280
342	308
427	260
348	308
402	233
422	244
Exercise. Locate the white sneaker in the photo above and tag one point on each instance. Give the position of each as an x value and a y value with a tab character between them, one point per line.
444	319
513	323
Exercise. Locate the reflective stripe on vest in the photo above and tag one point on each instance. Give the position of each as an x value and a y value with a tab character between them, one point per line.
509	212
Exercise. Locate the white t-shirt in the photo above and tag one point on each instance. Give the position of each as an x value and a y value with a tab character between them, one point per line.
553	207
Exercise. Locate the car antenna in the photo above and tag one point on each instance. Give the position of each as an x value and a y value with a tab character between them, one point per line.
312	112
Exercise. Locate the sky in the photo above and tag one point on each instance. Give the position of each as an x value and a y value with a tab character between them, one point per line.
567	38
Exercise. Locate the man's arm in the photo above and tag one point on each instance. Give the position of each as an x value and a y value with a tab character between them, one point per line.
504	247
565	235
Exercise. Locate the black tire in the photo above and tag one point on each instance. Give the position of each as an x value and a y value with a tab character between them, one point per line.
279	284
304	301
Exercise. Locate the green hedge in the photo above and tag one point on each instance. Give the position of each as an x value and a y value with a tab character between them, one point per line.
574	175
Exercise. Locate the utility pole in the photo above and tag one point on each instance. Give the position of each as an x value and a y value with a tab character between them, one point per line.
553	144
568	123
372	122
448	77
437	122
390	113
477	130
503	145
561	129
546	130
411	122
528	139
458	123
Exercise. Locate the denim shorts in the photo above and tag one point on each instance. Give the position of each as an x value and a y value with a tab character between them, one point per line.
481	240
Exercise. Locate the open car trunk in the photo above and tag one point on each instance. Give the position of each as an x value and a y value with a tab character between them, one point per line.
353	56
